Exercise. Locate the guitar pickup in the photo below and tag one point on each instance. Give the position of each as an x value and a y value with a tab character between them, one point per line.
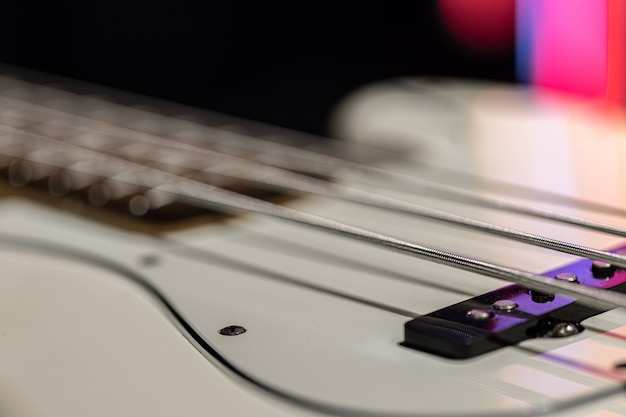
511	314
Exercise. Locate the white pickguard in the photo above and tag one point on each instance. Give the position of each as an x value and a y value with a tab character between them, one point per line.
324	317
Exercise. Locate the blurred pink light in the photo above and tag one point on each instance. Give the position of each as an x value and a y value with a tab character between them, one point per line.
616	74
570	52
482	25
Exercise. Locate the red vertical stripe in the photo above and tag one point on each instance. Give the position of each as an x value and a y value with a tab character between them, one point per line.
616	71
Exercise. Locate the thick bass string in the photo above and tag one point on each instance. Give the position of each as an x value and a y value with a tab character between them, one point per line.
77	159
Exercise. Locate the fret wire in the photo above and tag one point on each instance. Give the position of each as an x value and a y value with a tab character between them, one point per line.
320	164
206	195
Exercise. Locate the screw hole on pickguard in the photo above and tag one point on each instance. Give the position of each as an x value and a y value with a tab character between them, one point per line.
234	330
150	260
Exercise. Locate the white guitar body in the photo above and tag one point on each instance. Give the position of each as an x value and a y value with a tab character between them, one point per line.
99	321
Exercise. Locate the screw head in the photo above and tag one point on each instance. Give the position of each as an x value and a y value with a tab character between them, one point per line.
232	330
564	329
567	276
504	305
479	314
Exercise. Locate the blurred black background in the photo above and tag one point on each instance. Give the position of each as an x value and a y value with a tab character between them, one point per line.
284	63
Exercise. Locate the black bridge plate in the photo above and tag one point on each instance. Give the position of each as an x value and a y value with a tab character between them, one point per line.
454	332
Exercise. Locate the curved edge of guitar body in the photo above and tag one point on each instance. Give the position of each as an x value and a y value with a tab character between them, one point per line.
79	340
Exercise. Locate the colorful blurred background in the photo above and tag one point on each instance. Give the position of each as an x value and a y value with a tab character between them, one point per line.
289	63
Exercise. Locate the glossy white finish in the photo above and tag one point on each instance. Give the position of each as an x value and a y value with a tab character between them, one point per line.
79	340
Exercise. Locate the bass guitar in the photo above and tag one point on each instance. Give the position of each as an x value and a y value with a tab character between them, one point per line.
462	254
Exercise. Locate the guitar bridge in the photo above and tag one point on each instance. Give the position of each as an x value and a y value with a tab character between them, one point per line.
510	315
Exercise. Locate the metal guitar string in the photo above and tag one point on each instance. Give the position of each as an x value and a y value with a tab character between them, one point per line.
292	158
583	254
242	169
263	148
92	163
286	180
